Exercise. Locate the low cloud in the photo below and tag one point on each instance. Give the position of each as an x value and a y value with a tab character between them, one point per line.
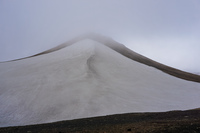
167	31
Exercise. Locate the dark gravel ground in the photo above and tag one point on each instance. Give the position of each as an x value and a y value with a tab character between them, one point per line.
162	122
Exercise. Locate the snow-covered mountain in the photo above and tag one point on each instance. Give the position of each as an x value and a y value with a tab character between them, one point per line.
88	77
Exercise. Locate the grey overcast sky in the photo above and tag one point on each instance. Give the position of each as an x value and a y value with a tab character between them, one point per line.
167	31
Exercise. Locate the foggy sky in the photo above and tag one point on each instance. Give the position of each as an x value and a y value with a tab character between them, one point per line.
167	31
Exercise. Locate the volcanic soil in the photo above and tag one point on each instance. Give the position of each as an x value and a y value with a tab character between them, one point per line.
161	122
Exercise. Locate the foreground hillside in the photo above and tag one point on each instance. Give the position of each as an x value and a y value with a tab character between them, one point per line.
164	122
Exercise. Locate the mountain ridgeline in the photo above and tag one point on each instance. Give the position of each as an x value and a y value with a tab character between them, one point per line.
120	48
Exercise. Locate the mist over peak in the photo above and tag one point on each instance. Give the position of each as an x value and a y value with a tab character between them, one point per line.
146	26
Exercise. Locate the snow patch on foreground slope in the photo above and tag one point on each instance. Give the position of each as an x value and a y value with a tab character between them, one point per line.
83	80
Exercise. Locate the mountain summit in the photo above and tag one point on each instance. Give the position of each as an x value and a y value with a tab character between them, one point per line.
89	76
121	49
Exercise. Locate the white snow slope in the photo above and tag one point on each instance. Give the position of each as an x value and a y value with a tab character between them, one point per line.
87	79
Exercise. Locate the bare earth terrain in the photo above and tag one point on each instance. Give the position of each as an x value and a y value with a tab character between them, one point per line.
162	122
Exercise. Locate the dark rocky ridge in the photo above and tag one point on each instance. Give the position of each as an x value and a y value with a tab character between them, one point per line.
120	48
162	122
